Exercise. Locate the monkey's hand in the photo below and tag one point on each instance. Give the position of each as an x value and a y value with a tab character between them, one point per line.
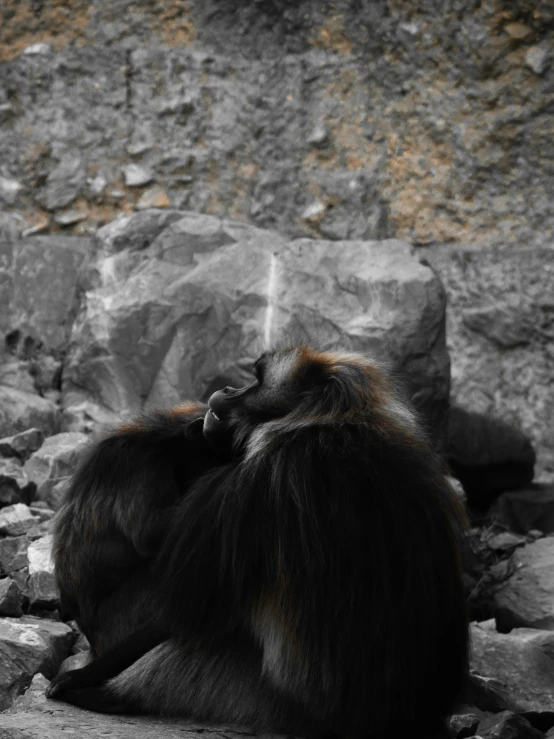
65	681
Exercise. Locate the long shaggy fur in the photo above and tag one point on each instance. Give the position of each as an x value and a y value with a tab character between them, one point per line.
115	514
312	585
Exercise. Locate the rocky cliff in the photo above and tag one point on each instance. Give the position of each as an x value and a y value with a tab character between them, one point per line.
430	121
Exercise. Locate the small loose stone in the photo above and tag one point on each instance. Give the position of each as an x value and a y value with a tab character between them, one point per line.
137	176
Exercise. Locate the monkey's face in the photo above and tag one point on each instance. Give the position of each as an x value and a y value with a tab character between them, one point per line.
269	396
297	384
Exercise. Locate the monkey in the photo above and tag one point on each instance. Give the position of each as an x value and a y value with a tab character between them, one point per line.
115	513
311	585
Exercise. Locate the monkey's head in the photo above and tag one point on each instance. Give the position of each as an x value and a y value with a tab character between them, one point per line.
298	387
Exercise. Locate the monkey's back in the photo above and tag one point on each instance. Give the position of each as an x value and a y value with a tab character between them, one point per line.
341	549
114	514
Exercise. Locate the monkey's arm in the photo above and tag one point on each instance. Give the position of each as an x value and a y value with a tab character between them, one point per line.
109	664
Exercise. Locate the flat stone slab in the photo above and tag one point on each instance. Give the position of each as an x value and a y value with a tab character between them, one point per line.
34	717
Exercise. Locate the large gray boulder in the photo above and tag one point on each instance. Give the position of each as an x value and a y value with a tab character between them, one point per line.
182	304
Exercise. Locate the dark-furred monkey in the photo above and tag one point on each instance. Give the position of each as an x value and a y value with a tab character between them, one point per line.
312	584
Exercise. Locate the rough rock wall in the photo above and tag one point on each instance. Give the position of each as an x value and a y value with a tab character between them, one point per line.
500	335
429	120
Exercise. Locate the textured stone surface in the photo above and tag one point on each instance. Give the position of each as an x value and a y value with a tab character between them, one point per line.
64	182
29	645
86	417
500	334
41	509
15	486
16	519
54	461
463	724
505	725
527	597
13	554
15	372
39	277
10	598
20	411
520	666
190	305
506	541
21	445
434	119
57	492
43	590
21	578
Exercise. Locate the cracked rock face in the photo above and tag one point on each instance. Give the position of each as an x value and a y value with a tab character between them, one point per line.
190	306
437	122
